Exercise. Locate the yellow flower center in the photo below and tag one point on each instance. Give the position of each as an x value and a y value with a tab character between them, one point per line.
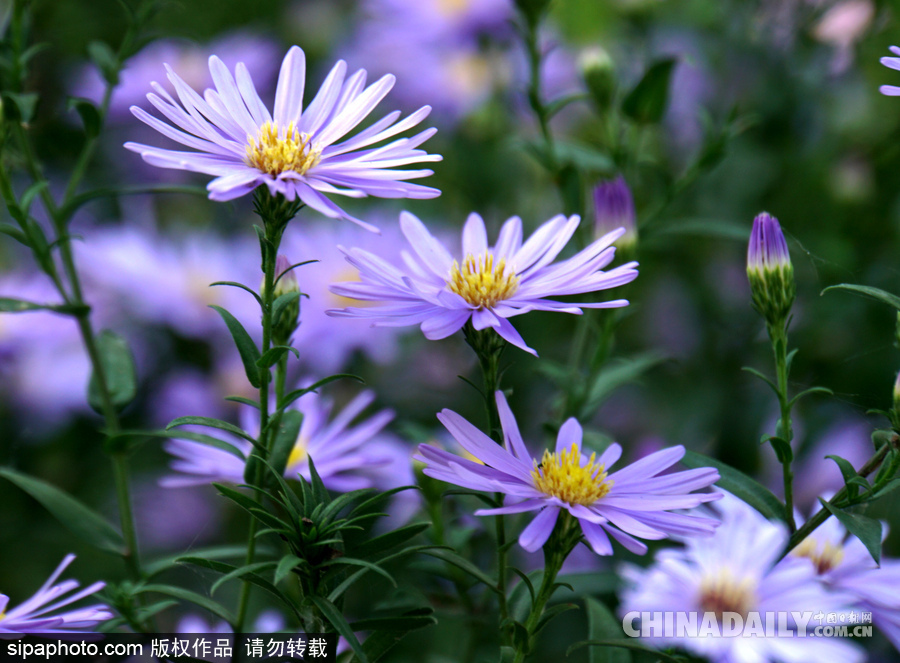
451	8
482	283
825	558
722	592
563	476
2	615
298	453
349	275
276	151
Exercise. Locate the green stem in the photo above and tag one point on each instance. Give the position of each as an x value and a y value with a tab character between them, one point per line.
565	537
778	336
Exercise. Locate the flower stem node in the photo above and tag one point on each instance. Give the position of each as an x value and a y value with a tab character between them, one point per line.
770	271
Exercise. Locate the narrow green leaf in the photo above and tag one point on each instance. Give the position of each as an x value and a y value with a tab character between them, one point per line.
783	451
291	396
615	375
809	392
867	530
244	401
647	102
213	553
389	540
85	523
381	642
848	473
734	481
334	616
212	423
396	623
292	268
19	106
551	613
465	565
348	582
31	193
191	597
285	565
283	301
528	584
10	230
602	625
119	441
244	501
105	59
285	440
10	305
868	291
240	572
90	116
351	561
235	284
274	354
118	369
245	345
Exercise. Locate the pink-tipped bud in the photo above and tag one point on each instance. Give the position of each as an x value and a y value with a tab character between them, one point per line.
769	270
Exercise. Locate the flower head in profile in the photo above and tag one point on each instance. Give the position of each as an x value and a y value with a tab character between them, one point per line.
41	613
347	456
893	63
300	153
634	501
488	284
614	208
734	574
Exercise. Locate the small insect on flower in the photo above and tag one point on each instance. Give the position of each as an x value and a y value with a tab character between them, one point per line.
488	285
631	502
893	63
294	151
39	613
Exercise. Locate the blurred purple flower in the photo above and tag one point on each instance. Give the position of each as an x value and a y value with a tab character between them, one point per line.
737	571
174	521
490	285
294	153
614	209
345	455
39	614
632	502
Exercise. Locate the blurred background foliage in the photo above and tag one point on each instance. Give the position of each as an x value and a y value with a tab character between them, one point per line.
818	147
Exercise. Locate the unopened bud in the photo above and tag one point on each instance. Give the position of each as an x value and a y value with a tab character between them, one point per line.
770	271
897	394
599	76
288	316
613	209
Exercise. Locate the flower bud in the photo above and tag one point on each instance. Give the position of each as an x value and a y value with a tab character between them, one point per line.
613	209
288	317
770	271
599	76
897	394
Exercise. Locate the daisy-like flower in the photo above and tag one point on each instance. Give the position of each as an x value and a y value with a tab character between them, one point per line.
893	63
39	614
347	457
488	285
295	152
737	572
632	502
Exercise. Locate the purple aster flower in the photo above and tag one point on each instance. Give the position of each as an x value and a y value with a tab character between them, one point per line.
488	285
38	614
294	152
613	209
346	458
737	571
893	63
632	502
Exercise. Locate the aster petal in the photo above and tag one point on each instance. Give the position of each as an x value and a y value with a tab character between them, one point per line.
609	457
445	323
508	332
231	96
513	438
510	239
628	523
290	87
628	542
354	113
519	507
257	108
569	435
319	109
539	529
482	447
474	237
433	254
649	465
596	538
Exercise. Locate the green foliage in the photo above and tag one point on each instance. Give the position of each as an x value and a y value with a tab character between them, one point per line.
119	373
602	625
647	102
736	482
867	530
245	345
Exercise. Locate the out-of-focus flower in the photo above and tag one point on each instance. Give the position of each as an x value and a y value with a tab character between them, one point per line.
268	621
294	152
737	571
189	60
769	270
842	26
844	564
632	502
599	75
345	336
40	613
614	209
345	456
489	284
165	279
893	63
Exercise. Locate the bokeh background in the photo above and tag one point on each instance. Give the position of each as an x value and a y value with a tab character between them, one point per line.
793	85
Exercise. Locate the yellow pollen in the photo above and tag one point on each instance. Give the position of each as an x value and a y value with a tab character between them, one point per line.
276	151
723	592
298	453
825	558
563	476
2	615
482	283
452	8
